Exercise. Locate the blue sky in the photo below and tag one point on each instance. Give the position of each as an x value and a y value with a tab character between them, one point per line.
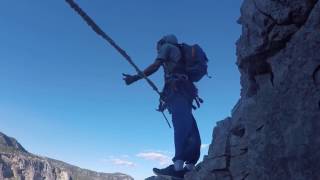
62	93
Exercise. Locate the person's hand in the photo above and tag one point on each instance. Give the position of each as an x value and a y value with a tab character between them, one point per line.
129	79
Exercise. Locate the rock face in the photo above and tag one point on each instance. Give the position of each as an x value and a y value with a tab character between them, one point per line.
17	164
274	130
7	143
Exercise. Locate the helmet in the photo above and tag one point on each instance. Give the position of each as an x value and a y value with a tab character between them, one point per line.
170	38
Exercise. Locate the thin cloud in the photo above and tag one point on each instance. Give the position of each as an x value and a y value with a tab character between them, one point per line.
119	162
161	158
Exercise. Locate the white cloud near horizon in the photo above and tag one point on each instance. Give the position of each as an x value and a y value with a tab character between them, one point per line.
161	158
120	162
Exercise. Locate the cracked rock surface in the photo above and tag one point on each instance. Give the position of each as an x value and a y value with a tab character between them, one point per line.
274	130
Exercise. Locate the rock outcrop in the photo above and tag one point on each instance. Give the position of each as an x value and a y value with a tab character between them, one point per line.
274	130
8	143
17	164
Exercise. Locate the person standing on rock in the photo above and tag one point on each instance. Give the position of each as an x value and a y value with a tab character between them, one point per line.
179	92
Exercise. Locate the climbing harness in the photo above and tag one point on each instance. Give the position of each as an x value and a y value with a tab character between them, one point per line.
101	33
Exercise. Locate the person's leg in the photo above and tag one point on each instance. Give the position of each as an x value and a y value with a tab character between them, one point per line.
181	109
178	165
193	147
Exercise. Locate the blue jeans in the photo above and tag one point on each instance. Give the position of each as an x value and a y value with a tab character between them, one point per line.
186	134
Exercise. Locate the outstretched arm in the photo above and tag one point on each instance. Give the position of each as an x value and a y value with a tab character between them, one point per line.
129	79
152	68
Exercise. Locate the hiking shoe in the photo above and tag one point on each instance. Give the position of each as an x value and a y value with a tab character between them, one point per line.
170	172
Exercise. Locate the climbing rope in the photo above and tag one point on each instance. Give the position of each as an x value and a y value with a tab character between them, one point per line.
101	33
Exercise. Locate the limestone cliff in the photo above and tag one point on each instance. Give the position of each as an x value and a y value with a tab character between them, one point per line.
274	130
17	164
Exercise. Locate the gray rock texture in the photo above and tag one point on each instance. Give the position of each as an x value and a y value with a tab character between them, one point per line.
274	130
17	164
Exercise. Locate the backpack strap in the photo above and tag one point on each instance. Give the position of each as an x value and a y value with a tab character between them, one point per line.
193	52
180	65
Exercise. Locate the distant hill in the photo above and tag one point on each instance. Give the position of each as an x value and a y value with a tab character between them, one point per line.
17	163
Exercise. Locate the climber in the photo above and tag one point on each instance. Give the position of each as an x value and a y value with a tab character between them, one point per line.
183	65
178	94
